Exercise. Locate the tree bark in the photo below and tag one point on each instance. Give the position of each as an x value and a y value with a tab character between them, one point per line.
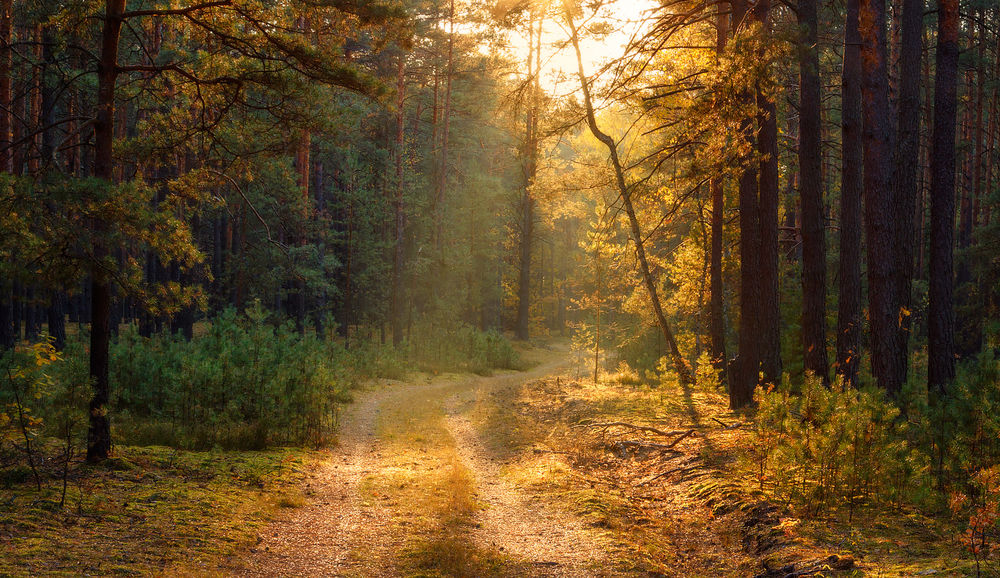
811	198
941	315
969	338
767	146
745	373
99	432
398	253
527	205
880	214
441	184
906	177
6	62
849	272
717	324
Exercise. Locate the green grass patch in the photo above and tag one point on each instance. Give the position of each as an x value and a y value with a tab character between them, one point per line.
151	510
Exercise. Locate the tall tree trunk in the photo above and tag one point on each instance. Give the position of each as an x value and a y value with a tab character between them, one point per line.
811	198
530	164
6	63
99	432
880	213
745	375
941	315
769	314
969	338
7	334
398	253
680	364
441	184
717	325
906	176
302	167
849	272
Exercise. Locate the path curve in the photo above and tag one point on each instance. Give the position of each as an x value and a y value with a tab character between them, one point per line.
340	533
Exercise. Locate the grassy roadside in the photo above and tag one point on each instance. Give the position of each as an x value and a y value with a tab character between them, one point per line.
694	509
150	510
667	531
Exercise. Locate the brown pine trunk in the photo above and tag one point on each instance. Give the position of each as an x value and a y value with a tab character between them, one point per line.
849	272
941	316
398	253
769	314
35	103
6	61
744	375
302	167
442	177
880	213
19	80
906	176
99	432
969	337
811	198
717	325
530	164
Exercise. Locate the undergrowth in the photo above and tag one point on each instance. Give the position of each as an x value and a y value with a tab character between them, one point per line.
247	382
851	452
443	346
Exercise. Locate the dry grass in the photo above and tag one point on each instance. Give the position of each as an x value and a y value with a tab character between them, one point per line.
664	530
705	516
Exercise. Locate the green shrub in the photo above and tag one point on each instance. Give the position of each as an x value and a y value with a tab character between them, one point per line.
244	384
451	346
833	447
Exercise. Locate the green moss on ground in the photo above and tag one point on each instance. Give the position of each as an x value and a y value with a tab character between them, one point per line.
151	510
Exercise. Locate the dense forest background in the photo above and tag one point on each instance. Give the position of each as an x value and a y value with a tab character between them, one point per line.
215	215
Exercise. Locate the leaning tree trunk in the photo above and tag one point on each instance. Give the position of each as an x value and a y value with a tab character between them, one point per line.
680	364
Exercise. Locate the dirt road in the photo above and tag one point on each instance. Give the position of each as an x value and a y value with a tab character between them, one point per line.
412	489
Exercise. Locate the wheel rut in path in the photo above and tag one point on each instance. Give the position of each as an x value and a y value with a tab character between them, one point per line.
323	537
343	531
550	542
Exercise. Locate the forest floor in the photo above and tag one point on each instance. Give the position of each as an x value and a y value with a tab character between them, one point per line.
535	473
540	473
513	475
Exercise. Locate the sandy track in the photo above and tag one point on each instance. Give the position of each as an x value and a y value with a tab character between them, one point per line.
323	538
341	533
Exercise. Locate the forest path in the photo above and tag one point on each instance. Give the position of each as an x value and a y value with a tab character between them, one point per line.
412	488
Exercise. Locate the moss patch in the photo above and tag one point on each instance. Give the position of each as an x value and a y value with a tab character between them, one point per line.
150	510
